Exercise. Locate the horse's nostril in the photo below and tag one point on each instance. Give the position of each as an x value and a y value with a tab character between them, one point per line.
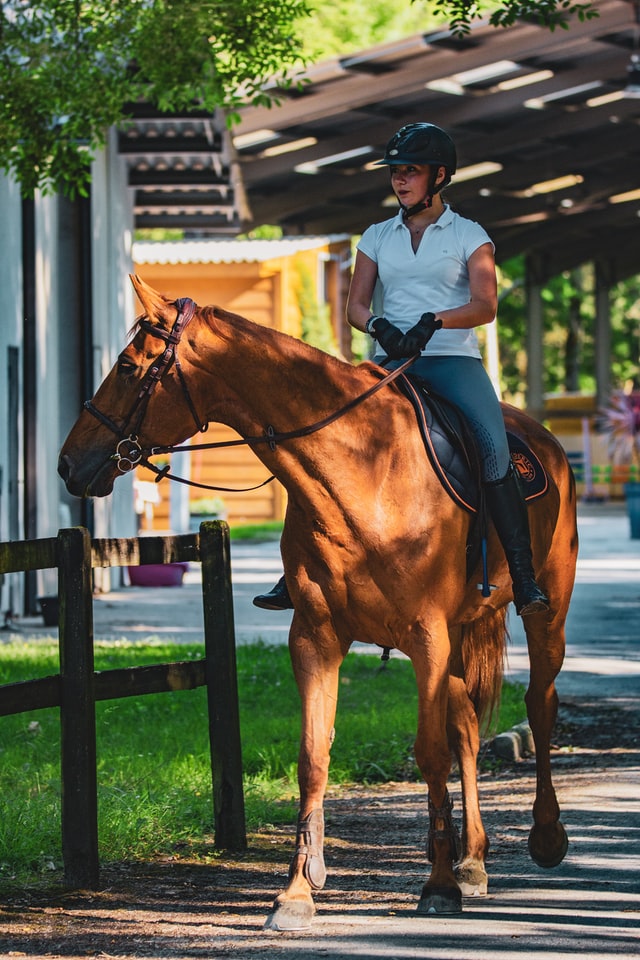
64	467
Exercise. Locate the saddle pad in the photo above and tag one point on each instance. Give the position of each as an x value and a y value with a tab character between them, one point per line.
453	453
533	477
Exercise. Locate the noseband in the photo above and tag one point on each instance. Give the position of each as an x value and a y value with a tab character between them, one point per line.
128	453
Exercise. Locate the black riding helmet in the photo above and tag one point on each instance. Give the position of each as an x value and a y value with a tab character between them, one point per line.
427	145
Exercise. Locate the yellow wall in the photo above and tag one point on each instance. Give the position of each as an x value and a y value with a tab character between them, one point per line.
572	418
267	293
245	288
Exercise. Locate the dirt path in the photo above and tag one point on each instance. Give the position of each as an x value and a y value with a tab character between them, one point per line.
375	855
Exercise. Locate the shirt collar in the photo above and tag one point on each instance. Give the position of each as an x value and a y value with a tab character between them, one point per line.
443	220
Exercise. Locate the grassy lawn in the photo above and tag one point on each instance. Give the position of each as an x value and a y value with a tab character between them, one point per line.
270	530
154	777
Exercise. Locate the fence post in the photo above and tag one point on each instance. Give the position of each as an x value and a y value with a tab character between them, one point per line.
222	686
77	711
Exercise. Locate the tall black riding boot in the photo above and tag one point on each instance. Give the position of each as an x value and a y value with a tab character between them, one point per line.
276	599
508	511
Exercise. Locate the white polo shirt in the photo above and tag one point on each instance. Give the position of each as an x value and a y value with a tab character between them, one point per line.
433	278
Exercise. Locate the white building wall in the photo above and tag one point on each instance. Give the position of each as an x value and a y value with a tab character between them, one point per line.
114	307
113	314
47	377
11	456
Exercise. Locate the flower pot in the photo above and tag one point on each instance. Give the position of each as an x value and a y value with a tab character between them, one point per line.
158	575
632	498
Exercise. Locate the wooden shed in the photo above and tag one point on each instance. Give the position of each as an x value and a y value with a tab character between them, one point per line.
272	282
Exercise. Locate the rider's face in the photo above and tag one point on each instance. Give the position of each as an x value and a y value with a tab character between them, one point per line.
410	182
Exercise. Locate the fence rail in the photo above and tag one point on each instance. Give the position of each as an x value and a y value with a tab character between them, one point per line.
78	686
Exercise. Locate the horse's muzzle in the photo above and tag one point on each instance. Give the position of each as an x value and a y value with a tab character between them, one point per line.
97	482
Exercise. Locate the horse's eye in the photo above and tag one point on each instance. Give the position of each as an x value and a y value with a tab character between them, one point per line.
126	366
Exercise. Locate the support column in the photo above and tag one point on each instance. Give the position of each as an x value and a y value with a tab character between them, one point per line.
535	334
29	394
605	278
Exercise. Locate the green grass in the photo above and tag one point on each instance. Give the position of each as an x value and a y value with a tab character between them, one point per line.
269	530
154	778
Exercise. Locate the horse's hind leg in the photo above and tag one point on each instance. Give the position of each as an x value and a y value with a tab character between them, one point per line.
464	738
545	639
441	893
316	667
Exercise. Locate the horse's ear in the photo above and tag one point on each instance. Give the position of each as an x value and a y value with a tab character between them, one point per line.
156	307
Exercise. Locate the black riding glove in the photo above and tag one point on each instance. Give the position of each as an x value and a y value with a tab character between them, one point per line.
388	336
416	339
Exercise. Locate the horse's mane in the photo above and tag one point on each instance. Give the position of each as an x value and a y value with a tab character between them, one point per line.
302	351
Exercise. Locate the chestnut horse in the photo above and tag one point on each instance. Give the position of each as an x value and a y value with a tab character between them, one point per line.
373	549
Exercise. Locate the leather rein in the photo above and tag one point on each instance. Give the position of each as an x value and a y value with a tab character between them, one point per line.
129	454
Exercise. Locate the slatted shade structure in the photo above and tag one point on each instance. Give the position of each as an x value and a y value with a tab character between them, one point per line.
547	126
548	137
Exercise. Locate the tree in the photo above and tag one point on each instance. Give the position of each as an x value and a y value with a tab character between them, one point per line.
548	13
315	317
569	331
69	68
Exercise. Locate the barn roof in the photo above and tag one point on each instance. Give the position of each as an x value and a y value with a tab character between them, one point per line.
547	125
227	251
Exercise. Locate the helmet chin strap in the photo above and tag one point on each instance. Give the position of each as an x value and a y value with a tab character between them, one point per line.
426	202
416	208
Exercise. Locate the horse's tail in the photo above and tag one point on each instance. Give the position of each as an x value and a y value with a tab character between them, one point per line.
484	643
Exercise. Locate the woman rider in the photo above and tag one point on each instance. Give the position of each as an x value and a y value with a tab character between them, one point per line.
430	262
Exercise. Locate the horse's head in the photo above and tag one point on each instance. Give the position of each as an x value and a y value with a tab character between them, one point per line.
144	402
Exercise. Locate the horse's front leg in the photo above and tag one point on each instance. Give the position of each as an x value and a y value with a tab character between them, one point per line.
441	893
316	665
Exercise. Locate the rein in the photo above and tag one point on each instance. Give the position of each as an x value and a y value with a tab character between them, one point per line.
129	454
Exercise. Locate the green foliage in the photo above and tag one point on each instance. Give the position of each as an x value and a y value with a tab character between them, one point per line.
460	14
547	13
269	530
159	234
625	333
266	231
207	506
569	331
315	317
342	26
69	68
154	777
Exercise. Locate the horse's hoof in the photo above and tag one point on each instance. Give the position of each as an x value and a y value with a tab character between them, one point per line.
440	901
472	878
290	915
548	845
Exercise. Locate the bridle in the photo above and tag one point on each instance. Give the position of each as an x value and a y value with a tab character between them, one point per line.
129	454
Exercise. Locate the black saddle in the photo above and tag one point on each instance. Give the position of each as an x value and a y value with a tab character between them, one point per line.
453	452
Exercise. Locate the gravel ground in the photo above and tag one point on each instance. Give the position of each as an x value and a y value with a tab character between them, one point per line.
590	904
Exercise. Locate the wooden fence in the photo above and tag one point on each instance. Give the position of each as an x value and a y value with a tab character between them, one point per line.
78	686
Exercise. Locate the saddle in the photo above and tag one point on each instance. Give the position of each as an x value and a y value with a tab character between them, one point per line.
453	452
